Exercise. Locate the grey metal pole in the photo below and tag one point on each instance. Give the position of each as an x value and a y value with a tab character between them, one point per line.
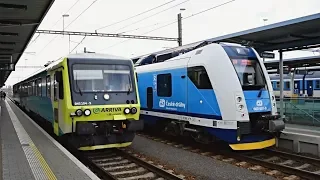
69	43
281	83
179	29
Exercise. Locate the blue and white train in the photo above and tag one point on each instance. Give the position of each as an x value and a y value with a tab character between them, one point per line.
307	85
218	91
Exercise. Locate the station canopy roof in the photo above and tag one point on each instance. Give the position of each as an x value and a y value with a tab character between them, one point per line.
294	34
19	20
294	62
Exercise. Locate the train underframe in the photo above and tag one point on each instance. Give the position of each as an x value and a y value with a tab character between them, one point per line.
104	134
261	127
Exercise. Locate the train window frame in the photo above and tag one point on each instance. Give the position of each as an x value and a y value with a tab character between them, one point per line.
131	76
29	88
59	79
55	97
317	84
43	87
277	84
162	80
197	71
48	86
39	86
287	85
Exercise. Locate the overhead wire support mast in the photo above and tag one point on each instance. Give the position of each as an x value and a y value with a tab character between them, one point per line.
74	33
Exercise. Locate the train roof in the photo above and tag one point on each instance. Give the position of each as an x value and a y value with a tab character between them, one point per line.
97	56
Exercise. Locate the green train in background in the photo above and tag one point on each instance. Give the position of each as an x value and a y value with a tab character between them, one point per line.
91	100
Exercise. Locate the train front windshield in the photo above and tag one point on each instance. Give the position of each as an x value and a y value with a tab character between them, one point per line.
249	72
247	67
102	78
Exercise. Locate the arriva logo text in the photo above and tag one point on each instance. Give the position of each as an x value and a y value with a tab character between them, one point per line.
166	103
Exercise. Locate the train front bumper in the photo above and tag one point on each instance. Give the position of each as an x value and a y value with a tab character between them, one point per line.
108	127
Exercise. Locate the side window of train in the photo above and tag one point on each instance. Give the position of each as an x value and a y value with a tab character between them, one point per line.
164	85
317	86
55	86
59	79
39	87
48	86
198	75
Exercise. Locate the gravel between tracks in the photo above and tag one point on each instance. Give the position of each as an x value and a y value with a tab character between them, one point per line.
202	167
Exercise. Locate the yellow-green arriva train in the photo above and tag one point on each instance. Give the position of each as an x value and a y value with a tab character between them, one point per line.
91	100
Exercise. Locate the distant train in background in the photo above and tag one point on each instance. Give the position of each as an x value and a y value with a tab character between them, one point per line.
304	85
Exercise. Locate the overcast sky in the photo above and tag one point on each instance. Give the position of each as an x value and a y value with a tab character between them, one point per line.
232	17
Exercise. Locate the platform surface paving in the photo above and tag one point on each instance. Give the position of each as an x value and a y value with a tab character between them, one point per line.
30	153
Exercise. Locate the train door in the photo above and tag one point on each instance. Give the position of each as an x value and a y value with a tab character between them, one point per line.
58	101
201	97
296	87
310	88
149	98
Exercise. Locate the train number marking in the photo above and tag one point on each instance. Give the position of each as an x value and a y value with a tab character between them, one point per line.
82	103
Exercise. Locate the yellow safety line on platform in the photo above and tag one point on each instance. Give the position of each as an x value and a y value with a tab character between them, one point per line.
44	165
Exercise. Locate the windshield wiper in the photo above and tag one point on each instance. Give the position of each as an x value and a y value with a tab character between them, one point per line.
260	92
78	85
129	89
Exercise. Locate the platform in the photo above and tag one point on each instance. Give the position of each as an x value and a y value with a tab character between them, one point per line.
301	139
28	152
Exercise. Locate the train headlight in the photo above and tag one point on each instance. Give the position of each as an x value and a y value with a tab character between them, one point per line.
273	104
273	98
239	99
87	112
126	110
106	96
240	107
133	110
79	112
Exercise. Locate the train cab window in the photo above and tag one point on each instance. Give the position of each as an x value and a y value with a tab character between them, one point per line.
317	84
48	85
198	75
250	73
164	85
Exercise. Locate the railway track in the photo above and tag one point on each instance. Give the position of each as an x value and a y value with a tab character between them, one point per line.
116	164
302	166
269	161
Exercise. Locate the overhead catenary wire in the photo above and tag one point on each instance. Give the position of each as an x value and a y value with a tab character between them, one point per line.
55	22
147	26
69	24
136	15
139	15
152	15
78	44
192	15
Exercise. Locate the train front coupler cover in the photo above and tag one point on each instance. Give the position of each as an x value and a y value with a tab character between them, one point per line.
275	123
